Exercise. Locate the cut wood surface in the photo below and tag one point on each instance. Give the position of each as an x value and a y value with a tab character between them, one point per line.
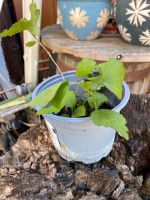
103	48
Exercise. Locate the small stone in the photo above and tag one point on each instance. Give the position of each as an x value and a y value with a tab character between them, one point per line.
34	166
132	169
12	171
42	127
67	196
37	156
138	181
81	179
48	157
130	195
32	159
27	165
52	171
43	191
46	135
103	181
91	196
43	153
44	161
126	174
8	190
39	137
43	170
118	191
3	171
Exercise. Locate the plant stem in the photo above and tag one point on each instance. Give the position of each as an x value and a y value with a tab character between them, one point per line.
91	93
50	56
94	101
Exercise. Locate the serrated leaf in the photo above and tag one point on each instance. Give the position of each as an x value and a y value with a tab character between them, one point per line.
35	13
109	118
48	110
99	99
30	43
17	27
96	83
112	76
85	85
79	112
85	67
24	24
69	100
47	95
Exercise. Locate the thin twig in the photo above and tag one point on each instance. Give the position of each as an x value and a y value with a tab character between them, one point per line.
48	53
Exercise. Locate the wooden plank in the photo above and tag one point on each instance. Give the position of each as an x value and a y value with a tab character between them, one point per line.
49	12
49	17
53	37
18	8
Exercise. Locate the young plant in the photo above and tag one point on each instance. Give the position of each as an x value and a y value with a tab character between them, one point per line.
62	100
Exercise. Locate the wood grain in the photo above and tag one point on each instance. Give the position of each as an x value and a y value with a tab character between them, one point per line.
107	46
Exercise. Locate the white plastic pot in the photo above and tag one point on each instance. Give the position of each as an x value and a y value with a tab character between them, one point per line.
79	139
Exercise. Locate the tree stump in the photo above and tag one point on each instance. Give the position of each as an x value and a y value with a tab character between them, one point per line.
34	170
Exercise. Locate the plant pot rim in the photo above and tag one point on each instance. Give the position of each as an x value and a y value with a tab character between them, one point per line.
122	103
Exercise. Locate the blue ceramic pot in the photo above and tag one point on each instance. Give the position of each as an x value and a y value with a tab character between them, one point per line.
83	19
133	20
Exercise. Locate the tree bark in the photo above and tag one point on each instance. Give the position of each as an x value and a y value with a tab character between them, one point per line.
34	170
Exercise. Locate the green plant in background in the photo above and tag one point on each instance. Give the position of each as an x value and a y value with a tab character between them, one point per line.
62	100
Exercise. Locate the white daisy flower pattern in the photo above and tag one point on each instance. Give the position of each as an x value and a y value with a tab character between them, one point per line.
78	17
123	30
59	17
93	35
145	38
71	34
138	12
103	18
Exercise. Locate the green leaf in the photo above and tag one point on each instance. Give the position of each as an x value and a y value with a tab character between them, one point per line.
109	118
85	67
98	97
24	24
85	85
112	76
35	13
30	43
48	110
46	96
96	83
17	27
79	112
57	101
69	100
